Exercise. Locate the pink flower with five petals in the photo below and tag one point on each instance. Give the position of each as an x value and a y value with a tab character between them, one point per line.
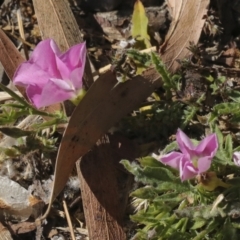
192	160
50	76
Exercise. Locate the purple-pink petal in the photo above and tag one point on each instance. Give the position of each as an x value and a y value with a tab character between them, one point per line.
187	170
44	57
203	164
51	93
172	159
75	56
34	94
30	74
72	59
184	143
208	146
76	77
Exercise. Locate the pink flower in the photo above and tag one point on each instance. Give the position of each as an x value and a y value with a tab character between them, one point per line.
50	76
236	158
192	160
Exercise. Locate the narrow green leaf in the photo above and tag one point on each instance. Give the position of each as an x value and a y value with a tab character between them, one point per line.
150	162
219	137
199	223
145	193
229	232
160	67
227	108
170	147
235	96
229	145
14	95
14	132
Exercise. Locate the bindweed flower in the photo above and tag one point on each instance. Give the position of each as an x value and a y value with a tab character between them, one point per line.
236	158
192	160
50	76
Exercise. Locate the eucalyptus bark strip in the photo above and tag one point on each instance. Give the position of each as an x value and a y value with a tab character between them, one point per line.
105	187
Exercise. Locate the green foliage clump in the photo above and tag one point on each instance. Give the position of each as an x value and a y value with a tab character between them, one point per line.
181	210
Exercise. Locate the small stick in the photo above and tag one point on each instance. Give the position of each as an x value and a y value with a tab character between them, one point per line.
107	67
21	32
68	220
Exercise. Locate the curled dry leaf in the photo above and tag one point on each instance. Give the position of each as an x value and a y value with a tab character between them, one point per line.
187	24
15	201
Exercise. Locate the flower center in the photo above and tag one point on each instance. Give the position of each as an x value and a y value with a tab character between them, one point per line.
78	97
70	84
195	161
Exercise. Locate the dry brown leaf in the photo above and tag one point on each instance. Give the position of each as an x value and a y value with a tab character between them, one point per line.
102	107
186	27
106	195
23	227
56	20
10	57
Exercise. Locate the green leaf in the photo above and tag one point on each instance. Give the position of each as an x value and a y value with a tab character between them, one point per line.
13	105
229	232
150	162
227	108
51	123
219	137
14	95
145	193
209	228
159	174
189	114
176	185
15	132
235	96
9	152
229	146
237	149
168	82
131	167
160	177
199	223
222	158
210	78
173	199
170	147
141	60
140	24
203	211
181	224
